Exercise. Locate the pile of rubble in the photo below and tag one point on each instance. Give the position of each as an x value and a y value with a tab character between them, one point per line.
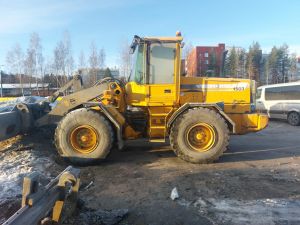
9	105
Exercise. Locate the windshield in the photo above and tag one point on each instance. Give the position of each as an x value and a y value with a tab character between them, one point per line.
258	93
138	70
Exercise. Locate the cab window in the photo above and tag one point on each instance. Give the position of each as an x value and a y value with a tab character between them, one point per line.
283	93
161	63
138	72
258	93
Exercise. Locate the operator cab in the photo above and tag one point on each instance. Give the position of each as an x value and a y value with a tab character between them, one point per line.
155	69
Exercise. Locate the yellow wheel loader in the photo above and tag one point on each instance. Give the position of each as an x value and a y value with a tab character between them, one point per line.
196	114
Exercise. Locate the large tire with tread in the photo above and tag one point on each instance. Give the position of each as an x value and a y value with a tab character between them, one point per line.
83	125
213	131
293	118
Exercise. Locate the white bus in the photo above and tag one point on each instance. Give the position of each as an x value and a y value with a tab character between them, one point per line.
281	101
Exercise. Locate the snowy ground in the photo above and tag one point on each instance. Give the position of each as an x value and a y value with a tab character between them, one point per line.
256	212
15	165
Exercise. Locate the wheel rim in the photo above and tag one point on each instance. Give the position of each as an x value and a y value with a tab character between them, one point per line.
201	137
294	119
84	139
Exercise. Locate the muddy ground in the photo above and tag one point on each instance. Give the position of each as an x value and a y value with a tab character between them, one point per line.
257	181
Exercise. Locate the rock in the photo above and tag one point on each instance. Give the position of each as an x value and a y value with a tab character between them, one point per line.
174	194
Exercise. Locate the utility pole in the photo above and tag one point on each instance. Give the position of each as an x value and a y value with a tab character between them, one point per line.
1	87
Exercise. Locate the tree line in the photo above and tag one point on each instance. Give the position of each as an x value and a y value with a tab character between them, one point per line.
276	67
31	65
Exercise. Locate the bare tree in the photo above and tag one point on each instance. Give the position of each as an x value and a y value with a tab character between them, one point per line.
101	58
41	67
293	67
59	62
81	60
48	66
70	65
125	59
187	49
63	62
69	60
30	65
34	59
94	63
49	71
15	62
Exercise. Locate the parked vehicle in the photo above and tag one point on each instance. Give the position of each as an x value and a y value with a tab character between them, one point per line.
281	101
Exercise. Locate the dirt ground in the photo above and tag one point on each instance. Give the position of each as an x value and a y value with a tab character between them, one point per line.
255	182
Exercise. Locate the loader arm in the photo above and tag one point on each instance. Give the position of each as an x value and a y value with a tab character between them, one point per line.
71	102
75	83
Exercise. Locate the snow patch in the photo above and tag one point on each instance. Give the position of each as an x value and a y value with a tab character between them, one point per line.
14	165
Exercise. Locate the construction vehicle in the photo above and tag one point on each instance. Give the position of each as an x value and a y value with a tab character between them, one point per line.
196	114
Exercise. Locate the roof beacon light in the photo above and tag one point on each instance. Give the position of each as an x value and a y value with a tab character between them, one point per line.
178	34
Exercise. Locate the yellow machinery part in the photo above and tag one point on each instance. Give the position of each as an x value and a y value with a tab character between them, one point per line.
251	122
234	93
84	139
6	99
201	137
130	133
158	117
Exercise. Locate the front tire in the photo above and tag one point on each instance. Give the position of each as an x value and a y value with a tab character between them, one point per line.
83	136
293	118
199	136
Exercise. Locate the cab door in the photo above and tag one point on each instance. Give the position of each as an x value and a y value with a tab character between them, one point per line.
161	74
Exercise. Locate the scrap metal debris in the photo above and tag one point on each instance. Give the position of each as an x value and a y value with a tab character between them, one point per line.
40	202
89	185
9	105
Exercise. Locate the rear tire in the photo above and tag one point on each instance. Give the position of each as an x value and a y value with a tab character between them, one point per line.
199	136
83	136
293	118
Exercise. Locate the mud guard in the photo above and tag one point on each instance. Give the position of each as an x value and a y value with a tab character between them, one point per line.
216	106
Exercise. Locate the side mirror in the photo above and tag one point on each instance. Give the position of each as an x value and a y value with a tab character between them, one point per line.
135	42
182	45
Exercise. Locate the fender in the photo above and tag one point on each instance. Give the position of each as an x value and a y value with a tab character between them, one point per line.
293	110
216	106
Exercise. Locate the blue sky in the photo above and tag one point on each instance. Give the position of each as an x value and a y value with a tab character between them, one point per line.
110	22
